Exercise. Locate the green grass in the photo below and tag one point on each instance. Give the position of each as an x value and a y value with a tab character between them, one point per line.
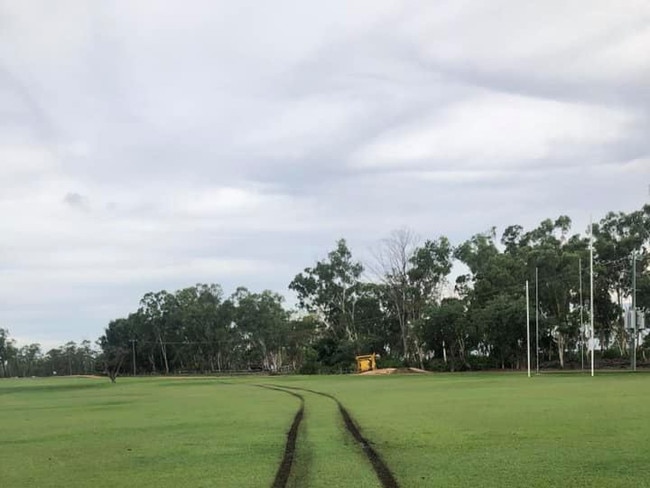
145	433
505	430
434	430
327	456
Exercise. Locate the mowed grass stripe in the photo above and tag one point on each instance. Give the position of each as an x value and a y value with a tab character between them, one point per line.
503	430
452	430
143	432
327	456
284	470
315	453
384	474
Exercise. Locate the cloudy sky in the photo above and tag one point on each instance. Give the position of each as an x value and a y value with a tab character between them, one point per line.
148	145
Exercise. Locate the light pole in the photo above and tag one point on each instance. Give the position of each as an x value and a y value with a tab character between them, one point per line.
582	323
528	326
591	297
633	314
537	318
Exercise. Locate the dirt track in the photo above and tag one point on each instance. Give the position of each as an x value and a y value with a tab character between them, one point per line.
383	472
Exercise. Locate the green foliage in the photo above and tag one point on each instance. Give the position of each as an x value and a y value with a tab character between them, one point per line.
390	362
310	363
331	289
196	330
334	355
611	353
7	352
403	311
448	332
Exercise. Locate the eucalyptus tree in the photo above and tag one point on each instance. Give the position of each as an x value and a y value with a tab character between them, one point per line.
448	332
557	255
202	327
412	275
619	237
115	344
494	293
264	325
160	313
7	352
330	290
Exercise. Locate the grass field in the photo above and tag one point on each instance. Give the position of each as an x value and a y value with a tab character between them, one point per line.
430	430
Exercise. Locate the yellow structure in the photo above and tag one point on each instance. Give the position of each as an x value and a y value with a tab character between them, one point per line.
366	363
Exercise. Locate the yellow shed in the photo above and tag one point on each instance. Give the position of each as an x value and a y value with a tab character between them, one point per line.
366	363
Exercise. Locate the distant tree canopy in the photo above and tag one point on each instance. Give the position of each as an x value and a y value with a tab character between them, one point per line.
401	305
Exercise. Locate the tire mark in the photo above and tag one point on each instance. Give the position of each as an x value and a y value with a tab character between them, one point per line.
383	472
284	470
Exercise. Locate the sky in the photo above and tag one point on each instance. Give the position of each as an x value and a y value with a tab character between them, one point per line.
154	145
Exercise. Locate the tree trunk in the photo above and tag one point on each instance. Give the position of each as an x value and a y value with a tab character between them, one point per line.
403	329
163	351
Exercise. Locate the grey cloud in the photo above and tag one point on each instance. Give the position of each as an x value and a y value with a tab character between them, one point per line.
154	111
76	200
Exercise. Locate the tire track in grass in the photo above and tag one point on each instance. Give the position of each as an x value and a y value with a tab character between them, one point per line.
383	472
284	470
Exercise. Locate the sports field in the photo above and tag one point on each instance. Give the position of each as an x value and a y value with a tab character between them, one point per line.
423	430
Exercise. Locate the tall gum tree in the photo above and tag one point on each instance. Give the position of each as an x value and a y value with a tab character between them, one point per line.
330	290
412	275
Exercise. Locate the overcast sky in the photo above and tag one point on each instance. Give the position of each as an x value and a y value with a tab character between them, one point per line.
148	145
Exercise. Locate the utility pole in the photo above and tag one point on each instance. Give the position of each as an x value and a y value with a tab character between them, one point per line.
528	326
591	298
537	318
133	341
582	324
633	315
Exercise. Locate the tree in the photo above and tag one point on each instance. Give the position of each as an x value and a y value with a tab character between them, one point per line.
494	294
617	237
330	290
115	346
401	312
27	359
412	275
549	249
447	331
203	323
392	269
7	351
503	324
159	311
264	324
430	265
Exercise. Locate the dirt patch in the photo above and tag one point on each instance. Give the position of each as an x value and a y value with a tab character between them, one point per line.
383	371
284	470
383	472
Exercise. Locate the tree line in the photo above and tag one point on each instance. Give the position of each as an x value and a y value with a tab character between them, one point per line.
402	304
30	360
